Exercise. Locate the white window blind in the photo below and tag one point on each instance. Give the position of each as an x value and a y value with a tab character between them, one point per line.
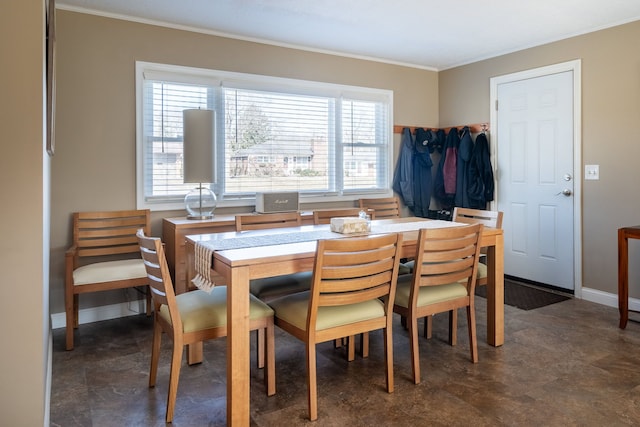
325	141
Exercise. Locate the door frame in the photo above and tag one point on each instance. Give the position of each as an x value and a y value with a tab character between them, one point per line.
576	67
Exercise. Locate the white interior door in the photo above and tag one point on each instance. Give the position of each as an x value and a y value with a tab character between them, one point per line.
535	177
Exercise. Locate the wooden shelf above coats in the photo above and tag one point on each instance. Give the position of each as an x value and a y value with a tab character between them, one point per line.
475	128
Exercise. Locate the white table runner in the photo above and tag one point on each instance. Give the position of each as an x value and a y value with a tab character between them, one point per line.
204	250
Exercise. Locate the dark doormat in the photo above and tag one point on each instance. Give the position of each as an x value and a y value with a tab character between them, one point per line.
524	296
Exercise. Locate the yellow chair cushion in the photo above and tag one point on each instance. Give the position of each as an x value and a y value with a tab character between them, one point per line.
404	269
428	294
201	310
101	272
482	271
273	287
410	265
293	309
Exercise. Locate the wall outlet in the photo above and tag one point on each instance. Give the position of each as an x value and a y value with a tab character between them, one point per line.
592	172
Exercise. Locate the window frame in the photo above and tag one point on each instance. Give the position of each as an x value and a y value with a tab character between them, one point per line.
191	75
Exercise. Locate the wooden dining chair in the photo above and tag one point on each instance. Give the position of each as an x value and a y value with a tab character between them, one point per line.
193	317
273	287
387	207
103	256
324	216
269	288
273	220
492	219
352	291
443	280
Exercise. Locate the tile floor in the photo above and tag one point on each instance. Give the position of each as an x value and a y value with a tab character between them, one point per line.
566	364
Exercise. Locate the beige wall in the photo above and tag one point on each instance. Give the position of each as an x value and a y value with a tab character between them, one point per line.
94	165
610	112
24	247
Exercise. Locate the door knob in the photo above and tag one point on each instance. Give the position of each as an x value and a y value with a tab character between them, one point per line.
566	192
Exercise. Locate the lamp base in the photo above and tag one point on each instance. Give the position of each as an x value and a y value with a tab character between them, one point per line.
200	203
201	216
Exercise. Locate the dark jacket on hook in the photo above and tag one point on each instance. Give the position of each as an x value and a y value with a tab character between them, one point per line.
464	157
445	183
422	164
480	175
403	175
449	168
438	180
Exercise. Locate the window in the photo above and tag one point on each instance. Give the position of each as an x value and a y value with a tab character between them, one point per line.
328	142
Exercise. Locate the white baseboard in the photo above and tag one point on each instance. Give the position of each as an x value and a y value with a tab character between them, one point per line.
105	312
608	299
114	311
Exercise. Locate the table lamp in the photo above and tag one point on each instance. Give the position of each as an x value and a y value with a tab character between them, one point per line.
199	161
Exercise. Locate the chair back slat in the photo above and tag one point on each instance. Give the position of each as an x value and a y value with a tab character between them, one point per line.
123	237
388	207
106	251
445	278
360	259
357	282
343	298
324	216
446	253
491	219
263	221
108	233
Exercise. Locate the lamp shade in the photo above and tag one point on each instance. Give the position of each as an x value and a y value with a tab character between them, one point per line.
199	132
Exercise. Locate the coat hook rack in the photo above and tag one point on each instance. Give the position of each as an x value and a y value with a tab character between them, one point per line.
475	128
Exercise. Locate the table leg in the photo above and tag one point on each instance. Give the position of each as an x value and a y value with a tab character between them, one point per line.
190	265
238	353
623	277
495	292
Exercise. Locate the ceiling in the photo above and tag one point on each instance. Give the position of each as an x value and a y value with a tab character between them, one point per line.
430	34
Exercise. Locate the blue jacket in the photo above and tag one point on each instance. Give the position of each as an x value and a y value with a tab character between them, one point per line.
403	175
422	177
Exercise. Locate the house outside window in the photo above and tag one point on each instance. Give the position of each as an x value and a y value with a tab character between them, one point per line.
328	142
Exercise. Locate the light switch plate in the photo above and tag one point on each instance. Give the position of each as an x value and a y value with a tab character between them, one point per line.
592	172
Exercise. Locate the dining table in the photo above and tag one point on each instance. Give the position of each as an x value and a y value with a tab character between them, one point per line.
235	258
